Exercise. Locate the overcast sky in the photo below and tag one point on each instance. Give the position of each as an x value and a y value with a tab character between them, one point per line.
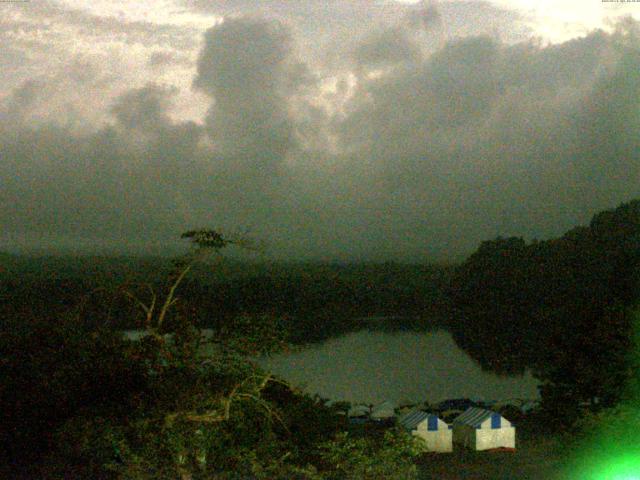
333	129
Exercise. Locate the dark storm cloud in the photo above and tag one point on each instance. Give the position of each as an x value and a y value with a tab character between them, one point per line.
492	139
113	187
427	157
328	30
143	109
246	67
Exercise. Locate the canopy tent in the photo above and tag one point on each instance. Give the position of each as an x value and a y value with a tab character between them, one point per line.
436	434
480	429
383	411
359	411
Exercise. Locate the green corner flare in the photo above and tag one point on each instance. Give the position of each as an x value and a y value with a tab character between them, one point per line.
611	451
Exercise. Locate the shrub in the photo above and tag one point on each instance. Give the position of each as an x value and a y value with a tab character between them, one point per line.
349	458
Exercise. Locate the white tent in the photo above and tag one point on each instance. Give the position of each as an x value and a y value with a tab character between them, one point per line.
357	411
383	411
435	433
480	429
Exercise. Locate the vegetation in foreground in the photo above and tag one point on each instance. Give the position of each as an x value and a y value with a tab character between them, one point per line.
80	401
105	407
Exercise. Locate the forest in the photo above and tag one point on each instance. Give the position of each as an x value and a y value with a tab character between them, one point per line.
563	308
81	401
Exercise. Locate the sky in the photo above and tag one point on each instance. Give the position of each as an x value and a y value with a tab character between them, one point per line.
330	130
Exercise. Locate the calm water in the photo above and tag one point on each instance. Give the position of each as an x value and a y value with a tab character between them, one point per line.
373	366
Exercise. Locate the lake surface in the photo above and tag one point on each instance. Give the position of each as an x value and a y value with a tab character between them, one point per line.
371	367
401	367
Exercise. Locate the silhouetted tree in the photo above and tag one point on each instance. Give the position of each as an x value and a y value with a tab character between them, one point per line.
559	308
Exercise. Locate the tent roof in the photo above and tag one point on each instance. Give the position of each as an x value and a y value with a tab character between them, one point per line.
383	408
475	417
412	419
358	410
385	404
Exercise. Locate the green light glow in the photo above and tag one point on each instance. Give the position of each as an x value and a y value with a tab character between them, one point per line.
613	451
626	468
607	466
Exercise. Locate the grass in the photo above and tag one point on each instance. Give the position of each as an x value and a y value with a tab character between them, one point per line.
537	457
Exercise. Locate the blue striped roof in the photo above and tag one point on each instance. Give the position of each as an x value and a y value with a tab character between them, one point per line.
412	419
475	416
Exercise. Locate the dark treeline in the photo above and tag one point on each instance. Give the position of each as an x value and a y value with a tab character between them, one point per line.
322	301
316	301
562	308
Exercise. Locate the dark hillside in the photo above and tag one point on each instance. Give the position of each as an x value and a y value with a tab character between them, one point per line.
560	307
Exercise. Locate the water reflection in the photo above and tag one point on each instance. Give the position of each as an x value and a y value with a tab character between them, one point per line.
406	366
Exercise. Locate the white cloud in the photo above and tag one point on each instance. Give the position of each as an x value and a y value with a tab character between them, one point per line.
561	20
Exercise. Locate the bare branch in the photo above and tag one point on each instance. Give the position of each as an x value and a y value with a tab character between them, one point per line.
137	300
152	307
214	416
169	300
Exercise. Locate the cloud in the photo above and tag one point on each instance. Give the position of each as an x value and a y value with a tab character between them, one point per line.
247	68
425	17
22	99
463	141
495	139
163	59
75	95
386	48
143	109
329	31
113	186
57	44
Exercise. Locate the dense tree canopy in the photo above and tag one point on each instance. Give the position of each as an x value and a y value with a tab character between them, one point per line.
559	307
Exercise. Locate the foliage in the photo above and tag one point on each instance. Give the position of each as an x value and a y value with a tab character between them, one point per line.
392	457
604	444
314	301
177	402
54	368
561	308
189	406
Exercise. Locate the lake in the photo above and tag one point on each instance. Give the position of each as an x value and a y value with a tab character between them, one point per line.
370	367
